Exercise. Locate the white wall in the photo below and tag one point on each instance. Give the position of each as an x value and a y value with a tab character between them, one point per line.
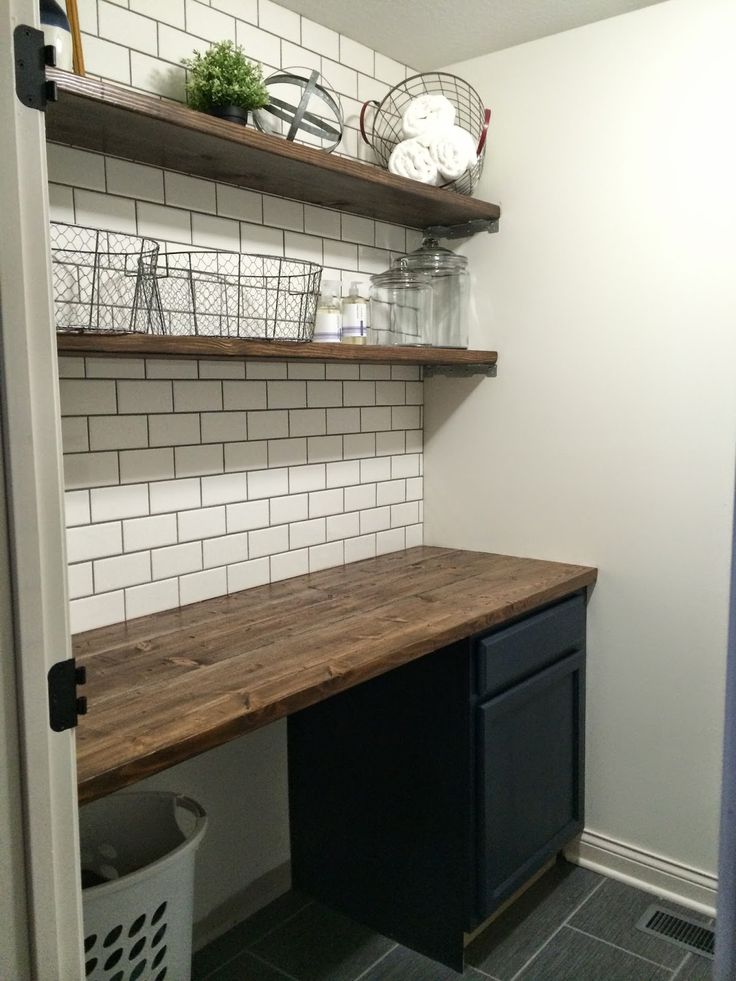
608	437
242	861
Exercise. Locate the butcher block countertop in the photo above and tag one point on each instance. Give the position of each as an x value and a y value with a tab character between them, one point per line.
168	686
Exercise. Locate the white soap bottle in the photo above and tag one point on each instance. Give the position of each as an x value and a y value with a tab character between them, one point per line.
354	317
327	322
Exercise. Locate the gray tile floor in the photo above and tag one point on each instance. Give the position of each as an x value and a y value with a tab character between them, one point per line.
572	925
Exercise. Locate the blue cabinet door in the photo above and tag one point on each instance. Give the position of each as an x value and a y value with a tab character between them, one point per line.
530	777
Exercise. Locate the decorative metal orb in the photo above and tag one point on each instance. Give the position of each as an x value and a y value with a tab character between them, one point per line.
304	108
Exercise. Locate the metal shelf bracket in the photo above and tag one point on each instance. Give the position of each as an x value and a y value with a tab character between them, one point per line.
465	230
460	370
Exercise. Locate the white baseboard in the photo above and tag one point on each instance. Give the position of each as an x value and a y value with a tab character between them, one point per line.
660	876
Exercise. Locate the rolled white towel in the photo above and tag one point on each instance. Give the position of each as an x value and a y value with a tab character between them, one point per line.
412	159
425	112
453	150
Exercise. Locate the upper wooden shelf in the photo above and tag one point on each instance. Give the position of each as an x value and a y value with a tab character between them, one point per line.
168	686
112	119
159	345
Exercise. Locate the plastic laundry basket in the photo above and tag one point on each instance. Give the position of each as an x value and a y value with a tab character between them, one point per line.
140	848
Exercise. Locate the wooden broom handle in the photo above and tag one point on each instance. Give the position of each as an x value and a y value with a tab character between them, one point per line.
77	53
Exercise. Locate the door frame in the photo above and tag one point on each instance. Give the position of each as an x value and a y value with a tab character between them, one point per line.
725	958
15	949
29	406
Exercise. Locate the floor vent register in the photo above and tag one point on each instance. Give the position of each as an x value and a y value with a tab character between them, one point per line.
688	934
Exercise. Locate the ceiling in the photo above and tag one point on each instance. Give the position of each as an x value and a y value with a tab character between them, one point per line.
429	34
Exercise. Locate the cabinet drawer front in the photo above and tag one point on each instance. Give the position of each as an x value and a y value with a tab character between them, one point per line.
514	653
530	777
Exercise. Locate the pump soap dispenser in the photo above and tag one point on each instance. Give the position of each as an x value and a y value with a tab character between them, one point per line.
354	317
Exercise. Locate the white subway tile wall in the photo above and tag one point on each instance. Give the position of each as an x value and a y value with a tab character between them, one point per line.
185	212
161	525
141	43
188	479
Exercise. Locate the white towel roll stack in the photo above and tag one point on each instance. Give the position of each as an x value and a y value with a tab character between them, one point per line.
452	149
412	159
426	112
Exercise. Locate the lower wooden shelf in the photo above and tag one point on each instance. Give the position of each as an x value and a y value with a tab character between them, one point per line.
159	345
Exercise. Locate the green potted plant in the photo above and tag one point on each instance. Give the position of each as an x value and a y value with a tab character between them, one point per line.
224	83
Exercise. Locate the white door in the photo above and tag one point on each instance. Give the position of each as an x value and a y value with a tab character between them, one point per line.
34	500
15	950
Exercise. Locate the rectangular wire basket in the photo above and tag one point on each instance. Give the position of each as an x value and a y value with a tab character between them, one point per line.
229	294
104	281
109	282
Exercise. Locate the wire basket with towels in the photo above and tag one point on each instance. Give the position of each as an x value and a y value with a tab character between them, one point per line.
430	123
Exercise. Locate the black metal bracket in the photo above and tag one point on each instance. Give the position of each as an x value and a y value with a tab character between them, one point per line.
464	230
460	370
64	703
31	58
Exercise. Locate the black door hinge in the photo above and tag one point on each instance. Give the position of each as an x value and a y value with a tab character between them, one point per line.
31	58
64	703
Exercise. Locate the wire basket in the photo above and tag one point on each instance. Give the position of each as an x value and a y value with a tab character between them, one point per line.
228	294
104	281
472	116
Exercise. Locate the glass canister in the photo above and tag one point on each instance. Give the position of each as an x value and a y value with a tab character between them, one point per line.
450	278
400	308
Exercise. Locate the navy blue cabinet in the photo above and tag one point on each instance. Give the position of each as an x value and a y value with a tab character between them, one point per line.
422	799
529	743
530	777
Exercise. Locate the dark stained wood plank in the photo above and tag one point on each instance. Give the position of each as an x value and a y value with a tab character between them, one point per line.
171	685
157	651
119	121
156	345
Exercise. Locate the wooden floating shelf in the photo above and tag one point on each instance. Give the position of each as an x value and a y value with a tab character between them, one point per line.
112	119
158	345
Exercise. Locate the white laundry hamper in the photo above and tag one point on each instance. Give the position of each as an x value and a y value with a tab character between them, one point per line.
138	921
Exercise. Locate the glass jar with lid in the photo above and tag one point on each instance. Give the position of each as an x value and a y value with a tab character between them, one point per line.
450	279
400	308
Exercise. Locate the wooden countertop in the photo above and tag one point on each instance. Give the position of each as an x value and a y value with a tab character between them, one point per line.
166	687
